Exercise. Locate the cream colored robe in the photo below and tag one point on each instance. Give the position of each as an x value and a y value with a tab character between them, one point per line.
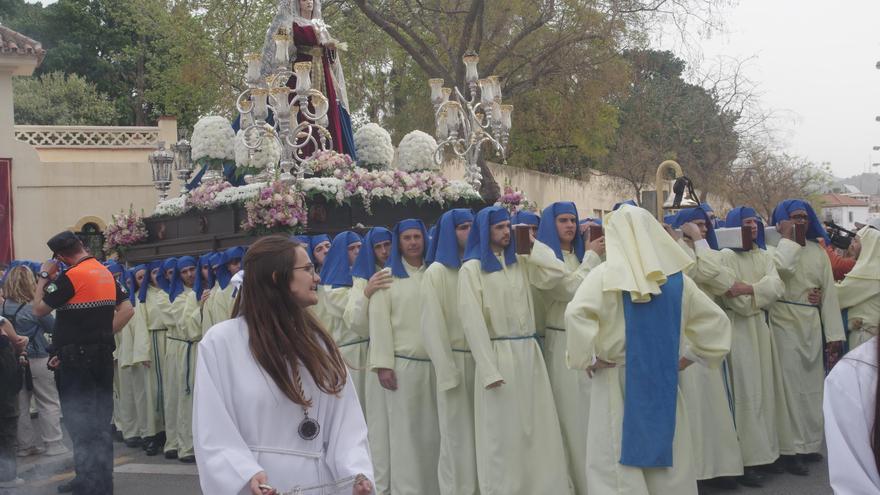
557	281
352	345
154	383
134	351
859	297
751	354
396	343
454	365
190	329
518	439
705	390
169	371
798	347
357	318
596	328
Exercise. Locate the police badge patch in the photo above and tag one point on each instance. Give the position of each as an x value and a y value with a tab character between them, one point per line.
51	288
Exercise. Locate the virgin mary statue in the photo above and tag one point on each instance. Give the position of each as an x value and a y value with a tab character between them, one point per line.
313	43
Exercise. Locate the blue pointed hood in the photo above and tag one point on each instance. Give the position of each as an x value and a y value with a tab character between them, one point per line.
815	230
525	217
735	220
164	281
691	214
395	261
133	289
314	241
336	271
365	264
548	234
177	286
223	274
201	284
444	247
597	221
478	247
142	291
115	268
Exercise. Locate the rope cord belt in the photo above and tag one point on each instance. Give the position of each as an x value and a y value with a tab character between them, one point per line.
356	342
517	337
189	345
798	304
556	329
334	485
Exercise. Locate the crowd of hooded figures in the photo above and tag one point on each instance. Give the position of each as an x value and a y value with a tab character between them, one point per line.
643	360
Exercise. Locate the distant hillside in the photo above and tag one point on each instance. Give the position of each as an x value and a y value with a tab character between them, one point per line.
867	183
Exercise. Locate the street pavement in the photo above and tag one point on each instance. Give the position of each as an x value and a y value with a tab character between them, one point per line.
137	474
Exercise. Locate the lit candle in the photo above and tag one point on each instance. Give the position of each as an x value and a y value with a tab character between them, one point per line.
254	61
506	110
436	90
486	93
496	87
281	101
303	77
452	122
470	64
282	44
261	110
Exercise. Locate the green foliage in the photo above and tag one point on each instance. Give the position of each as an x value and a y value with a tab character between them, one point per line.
56	99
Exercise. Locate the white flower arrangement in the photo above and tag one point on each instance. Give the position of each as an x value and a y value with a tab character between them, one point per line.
457	190
330	187
213	140
171	207
416	152
267	154
239	194
374	148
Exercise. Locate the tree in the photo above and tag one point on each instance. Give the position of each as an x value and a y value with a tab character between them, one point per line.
56	99
664	117
764	176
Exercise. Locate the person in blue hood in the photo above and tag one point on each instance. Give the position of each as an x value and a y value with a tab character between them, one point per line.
397	355
448	349
799	325
561	260
756	287
526	217
368	278
512	390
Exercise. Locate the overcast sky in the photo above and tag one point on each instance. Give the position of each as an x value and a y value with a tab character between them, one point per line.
815	62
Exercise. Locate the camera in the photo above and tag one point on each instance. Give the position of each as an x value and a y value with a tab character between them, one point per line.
841	238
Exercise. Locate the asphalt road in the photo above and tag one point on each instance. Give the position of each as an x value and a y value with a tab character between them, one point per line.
137	474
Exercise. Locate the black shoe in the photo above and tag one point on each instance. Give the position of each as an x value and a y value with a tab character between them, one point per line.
751	477
152	448
171	454
134	442
795	465
723	483
814	457
775	467
117	436
67	487
188	459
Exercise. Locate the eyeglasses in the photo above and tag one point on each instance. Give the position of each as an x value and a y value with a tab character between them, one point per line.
310	268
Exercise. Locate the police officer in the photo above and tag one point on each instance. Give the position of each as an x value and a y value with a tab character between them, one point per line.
90	307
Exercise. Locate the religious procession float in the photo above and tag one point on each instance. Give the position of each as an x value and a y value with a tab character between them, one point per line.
291	163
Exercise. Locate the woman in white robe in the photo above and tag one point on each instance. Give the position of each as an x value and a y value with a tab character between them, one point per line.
851	420
274	406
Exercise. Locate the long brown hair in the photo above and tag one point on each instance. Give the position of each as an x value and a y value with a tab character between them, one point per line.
282	334
20	285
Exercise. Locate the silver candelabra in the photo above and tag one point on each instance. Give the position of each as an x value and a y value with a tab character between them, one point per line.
160	162
464	125
300	114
